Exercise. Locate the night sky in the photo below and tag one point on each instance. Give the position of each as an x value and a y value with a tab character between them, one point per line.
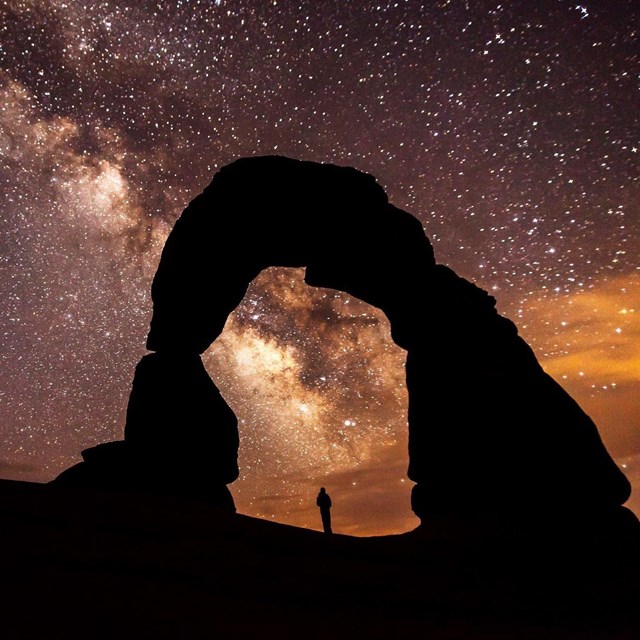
510	129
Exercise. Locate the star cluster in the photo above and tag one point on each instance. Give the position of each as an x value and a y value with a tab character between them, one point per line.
509	128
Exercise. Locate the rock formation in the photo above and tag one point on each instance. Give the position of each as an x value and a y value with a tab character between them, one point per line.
181	437
488	429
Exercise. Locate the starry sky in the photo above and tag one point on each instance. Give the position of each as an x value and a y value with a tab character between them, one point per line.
510	129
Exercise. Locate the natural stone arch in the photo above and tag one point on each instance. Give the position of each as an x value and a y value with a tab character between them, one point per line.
488	429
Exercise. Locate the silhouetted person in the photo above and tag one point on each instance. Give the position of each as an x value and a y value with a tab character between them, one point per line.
324	502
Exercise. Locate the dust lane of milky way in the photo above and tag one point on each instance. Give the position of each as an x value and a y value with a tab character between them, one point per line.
509	129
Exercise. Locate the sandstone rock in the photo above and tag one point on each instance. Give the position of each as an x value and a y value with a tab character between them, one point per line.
489	431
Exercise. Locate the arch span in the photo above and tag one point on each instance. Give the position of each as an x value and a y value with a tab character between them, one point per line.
488	429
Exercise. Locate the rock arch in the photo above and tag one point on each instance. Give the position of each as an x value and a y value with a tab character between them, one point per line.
488	429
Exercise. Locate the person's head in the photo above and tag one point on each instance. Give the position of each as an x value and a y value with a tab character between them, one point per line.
322	490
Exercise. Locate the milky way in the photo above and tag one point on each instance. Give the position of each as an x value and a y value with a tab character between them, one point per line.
510	129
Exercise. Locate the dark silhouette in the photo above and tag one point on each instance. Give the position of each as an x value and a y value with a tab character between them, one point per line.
178	436
324	502
150	567
520	501
489	430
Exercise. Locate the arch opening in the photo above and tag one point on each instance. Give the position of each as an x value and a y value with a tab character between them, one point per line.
318	387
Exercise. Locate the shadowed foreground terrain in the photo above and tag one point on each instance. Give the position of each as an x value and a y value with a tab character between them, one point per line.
104	565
